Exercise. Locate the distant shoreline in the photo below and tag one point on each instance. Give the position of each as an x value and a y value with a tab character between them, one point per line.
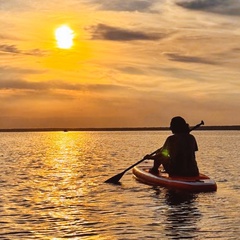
202	128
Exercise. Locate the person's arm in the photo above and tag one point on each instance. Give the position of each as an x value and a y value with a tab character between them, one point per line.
163	151
165	148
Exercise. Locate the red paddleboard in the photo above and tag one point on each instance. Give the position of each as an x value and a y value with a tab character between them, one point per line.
201	183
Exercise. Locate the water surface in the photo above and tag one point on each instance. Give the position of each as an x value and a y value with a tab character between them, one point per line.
52	187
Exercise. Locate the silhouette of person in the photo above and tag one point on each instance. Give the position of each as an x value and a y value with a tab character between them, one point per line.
178	152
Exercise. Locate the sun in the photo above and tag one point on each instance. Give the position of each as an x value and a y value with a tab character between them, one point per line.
64	36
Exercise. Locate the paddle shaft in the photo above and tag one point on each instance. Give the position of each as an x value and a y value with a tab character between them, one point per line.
116	178
140	161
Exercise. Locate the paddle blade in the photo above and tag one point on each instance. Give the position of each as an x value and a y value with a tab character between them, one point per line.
115	179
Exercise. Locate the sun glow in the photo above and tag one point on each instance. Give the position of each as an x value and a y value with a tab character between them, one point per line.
64	36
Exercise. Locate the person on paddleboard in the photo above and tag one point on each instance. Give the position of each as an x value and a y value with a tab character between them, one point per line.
178	152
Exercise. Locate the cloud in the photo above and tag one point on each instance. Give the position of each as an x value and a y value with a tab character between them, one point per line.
102	31
9	48
129	5
19	84
131	70
13	5
10	71
188	59
230	7
5	48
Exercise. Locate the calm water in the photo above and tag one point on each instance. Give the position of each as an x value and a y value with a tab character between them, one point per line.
52	188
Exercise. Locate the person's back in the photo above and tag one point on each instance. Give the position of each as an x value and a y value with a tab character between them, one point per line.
181	150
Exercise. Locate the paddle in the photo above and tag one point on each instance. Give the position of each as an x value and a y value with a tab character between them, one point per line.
115	179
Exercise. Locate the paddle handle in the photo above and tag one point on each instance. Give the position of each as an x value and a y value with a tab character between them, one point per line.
198	125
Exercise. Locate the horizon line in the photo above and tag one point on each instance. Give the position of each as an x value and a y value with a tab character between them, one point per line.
66	129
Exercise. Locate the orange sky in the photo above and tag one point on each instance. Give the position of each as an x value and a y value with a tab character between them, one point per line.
135	64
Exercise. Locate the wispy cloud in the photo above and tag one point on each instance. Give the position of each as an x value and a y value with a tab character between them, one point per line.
130	5
231	7
14	5
131	70
7	72
187	59
13	49
9	49
20	84
102	31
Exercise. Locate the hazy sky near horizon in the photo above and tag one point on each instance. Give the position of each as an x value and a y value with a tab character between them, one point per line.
133	63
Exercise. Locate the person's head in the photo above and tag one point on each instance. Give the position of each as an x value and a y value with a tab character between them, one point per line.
179	125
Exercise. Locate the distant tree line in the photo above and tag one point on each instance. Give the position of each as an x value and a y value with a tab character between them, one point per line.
202	128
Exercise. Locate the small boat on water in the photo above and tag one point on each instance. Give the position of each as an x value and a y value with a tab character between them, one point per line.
202	183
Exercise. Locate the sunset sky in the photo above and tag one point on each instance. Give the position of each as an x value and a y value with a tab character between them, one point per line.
123	63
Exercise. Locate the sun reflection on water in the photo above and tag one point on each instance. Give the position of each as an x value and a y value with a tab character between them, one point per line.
57	185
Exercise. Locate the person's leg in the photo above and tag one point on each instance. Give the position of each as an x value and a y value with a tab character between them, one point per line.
157	163
166	164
